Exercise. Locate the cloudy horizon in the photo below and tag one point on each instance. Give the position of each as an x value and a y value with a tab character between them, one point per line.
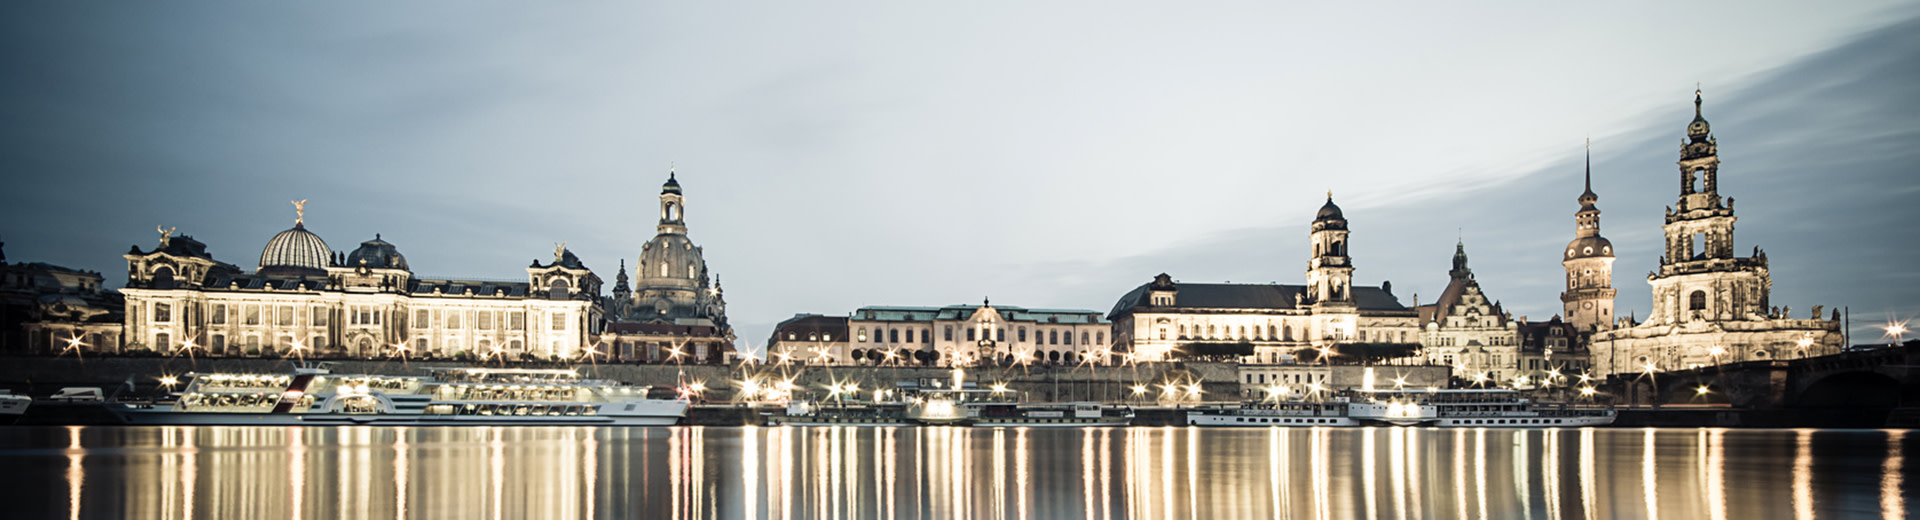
1044	156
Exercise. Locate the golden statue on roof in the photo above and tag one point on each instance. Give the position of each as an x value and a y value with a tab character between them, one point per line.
299	211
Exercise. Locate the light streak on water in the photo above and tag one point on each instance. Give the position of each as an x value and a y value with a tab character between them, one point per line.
887	473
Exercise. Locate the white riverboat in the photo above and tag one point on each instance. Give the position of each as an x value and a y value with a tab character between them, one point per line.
959	402
1283	413
13	406
1049	415
465	396
810	413
1471	408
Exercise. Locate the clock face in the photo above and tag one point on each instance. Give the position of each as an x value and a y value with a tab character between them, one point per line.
1588	305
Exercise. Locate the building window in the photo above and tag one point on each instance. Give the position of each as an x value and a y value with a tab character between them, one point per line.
376	315
926	335
1000	334
1083	338
1053	337
219	316
1698	301
863	334
1183	330
560	321
317	316
970	334
420	345
948	331
453	319
893	336
516	320
318	343
162	342
483	320
1023	334
285	313
252	315
1100	337
1287	331
689	271
217	344
1163	333
162	313
421	318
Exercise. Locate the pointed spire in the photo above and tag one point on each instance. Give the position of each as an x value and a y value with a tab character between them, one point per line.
1589	165
1696	100
1460	269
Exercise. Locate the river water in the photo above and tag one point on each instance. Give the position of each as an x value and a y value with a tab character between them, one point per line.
1016	473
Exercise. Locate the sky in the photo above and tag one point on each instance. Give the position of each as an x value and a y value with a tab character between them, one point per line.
842	154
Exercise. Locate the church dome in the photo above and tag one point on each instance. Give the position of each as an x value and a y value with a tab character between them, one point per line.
1329	211
1589	247
377	254
672	185
295	252
670	261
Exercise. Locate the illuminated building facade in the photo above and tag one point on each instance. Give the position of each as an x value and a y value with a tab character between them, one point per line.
674	311
49	309
1278	320
1709	306
1465	330
304	299
963	335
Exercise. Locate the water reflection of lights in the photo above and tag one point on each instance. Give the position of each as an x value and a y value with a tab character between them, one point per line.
1892	504
76	475
1803	475
1589	498
887	473
1367	477
1550	470
1649	476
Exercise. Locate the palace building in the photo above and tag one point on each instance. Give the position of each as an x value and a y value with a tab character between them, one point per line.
305	299
675	311
1466	330
50	309
1709	306
1277	320
954	335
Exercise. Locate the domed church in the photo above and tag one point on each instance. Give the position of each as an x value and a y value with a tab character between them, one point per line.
675	311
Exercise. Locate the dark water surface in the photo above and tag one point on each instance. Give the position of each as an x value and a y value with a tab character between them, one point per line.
789	472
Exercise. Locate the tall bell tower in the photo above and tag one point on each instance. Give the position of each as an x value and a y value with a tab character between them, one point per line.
1700	278
1330	270
1588	299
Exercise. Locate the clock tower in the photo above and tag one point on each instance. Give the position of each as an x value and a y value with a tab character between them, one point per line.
1589	261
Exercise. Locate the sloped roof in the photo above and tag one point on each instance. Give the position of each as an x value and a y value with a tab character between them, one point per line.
1252	296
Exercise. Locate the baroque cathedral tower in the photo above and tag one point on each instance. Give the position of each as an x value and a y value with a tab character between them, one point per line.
1700	279
1589	263
1710	306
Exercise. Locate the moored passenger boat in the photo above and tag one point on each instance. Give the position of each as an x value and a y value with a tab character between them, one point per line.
1473	408
1284	413
13	406
809	413
466	396
1049	415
